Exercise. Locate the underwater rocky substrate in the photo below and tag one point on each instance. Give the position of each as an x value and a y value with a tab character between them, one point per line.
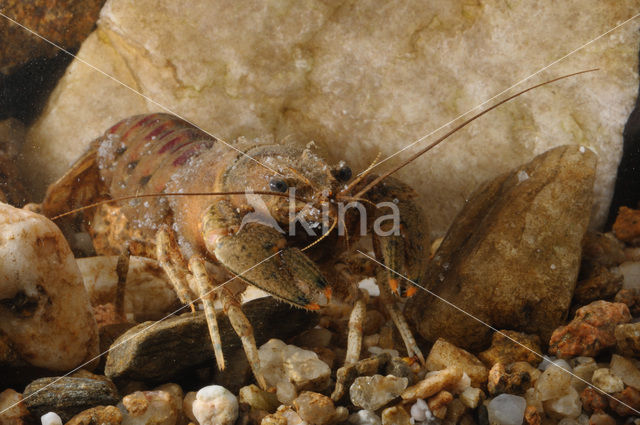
519	271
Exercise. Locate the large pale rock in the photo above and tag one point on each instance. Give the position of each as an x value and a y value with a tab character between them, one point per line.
357	77
511	258
45	316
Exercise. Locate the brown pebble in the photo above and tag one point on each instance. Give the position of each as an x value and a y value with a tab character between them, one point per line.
314	408
136	403
439	400
99	415
395	415
599	283
628	339
591	331
532	416
629	396
504	350
601	418
455	410
630	297
510	380
603	249
627	225
592	400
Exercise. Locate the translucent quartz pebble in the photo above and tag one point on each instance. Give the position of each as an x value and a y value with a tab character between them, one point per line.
606	381
554	381
625	370
373	392
507	409
567	406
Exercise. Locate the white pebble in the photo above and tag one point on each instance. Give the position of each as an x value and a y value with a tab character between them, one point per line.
364	417
507	409
631	272
420	411
522	176
50	418
215	405
281	362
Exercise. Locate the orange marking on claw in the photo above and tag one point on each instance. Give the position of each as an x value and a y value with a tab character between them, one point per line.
312	306
411	291
393	283
327	293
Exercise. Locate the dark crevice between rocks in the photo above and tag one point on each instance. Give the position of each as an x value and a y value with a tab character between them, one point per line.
24	92
627	187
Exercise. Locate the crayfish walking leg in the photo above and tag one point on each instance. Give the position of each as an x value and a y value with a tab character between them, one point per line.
171	260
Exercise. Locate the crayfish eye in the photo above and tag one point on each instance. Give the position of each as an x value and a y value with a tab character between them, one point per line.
343	173
278	185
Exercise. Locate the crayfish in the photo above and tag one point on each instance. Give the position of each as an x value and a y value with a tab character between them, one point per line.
255	217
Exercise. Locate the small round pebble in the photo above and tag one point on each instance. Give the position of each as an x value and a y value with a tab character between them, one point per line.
187	405
315	408
364	417
420	411
215	405
507	409
50	418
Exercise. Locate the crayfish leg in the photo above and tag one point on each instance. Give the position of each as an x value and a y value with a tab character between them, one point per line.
398	318
243	328
172	262
122	269
207	295
356	323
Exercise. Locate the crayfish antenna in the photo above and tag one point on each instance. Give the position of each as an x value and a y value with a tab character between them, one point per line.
169	194
464	124
333	226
